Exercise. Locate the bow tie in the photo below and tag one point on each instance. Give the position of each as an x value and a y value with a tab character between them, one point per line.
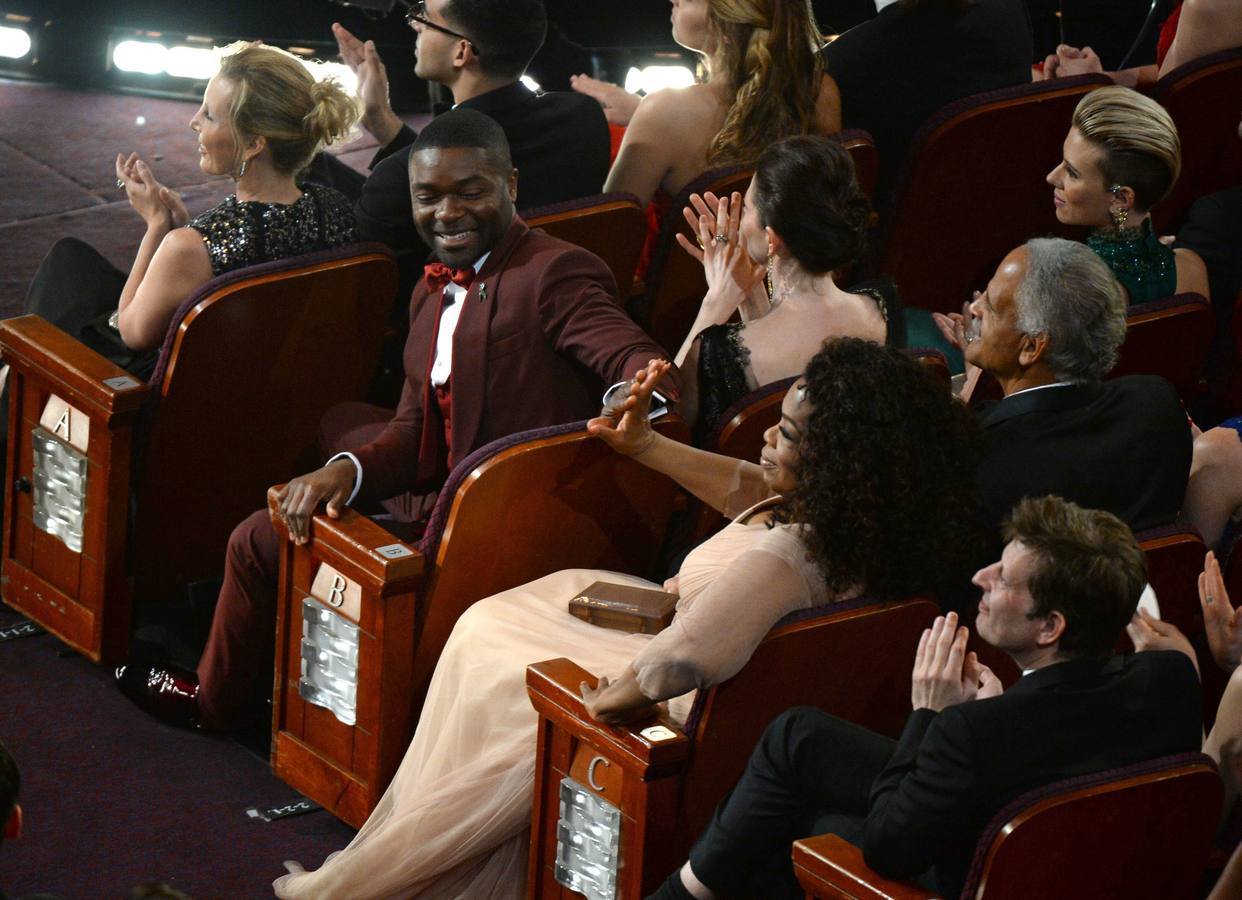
438	275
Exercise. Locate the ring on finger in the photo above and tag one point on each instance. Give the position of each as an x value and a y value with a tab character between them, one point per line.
721	238
120	184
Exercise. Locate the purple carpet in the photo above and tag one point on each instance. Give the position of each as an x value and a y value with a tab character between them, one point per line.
113	798
58	150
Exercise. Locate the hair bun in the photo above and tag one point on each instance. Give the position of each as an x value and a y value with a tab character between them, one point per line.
333	112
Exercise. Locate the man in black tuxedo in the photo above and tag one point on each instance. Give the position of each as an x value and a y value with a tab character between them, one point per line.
1066	585
478	49
1048	329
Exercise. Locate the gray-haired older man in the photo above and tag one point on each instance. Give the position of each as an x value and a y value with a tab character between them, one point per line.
1048	329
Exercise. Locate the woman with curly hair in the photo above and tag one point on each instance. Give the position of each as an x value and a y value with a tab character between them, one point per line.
803	217
765	81
857	491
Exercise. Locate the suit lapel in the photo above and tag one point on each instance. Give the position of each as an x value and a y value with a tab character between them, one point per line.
470	343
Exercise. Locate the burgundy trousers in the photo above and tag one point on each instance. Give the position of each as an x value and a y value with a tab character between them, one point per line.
240	649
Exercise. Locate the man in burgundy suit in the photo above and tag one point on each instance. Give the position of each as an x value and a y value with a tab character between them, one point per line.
510	329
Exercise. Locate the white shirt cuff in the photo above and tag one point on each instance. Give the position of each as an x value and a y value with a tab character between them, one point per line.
345	454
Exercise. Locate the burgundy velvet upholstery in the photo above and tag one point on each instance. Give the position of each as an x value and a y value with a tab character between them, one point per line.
742	404
345	251
555	209
1016	806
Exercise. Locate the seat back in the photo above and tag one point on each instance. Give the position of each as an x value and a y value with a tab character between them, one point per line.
1168	337
531	504
674	280
612	226
1174	556
1202	97
852	660
1142	831
249	365
973	189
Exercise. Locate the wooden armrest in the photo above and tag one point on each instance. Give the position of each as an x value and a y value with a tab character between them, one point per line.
828	866
553	686
73	371
357	547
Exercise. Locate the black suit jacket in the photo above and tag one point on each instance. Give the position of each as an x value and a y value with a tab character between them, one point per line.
1122	445
559	143
953	770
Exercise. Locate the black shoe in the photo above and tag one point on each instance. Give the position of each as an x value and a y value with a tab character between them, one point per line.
160	688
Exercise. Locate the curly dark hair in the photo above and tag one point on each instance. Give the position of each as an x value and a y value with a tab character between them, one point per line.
885	492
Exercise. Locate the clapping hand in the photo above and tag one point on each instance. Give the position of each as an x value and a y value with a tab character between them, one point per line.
625	428
364	61
730	272
944	673
618	103
158	206
1149	633
1222	622
1068	61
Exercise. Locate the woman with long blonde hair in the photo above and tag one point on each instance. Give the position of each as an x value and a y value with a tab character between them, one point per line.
765	81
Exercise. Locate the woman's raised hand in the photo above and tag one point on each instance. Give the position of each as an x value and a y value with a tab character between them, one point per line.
730	272
626	428
144	192
1221	621
618	103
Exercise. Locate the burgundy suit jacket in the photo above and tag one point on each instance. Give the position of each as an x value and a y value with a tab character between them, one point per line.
539	338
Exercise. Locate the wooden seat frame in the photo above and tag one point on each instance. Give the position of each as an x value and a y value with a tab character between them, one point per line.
1141	832
514	510
249	364
852	660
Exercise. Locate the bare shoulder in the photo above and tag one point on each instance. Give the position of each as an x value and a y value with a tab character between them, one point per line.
185	244
677	109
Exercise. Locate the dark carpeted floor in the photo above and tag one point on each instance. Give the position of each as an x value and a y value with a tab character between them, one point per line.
113	798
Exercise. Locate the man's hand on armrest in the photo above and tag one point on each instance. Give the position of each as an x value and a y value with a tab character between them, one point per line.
299	499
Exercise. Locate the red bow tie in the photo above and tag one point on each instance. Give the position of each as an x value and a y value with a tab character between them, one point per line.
438	275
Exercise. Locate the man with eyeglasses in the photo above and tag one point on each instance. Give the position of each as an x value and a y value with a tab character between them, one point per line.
479	50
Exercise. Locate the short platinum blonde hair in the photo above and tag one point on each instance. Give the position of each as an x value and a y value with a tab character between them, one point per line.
1070	295
1141	147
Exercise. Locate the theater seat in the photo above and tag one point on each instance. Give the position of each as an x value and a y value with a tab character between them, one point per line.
658	782
972	189
612	226
362	609
1202	97
120	491
1142	832
1170	338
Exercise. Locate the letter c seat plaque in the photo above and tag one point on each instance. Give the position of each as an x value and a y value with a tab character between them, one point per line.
591	773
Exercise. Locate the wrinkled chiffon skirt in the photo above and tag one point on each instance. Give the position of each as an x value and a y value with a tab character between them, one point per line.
455	822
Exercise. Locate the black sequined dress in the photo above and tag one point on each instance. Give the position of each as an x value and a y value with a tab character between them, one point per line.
77	289
724	359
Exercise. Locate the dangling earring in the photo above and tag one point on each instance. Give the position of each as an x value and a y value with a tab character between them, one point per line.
241	172
1119	214
776	294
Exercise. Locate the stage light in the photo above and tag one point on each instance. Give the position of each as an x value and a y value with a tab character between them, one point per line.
342	73
654	78
192	62
14	43
145	57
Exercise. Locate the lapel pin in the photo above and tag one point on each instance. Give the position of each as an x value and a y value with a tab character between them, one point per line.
482	291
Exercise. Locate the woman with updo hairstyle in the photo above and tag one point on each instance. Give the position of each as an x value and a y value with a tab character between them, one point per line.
262	118
770	258
1121	157
765	81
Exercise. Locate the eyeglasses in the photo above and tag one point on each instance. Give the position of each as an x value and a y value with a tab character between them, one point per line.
418	14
